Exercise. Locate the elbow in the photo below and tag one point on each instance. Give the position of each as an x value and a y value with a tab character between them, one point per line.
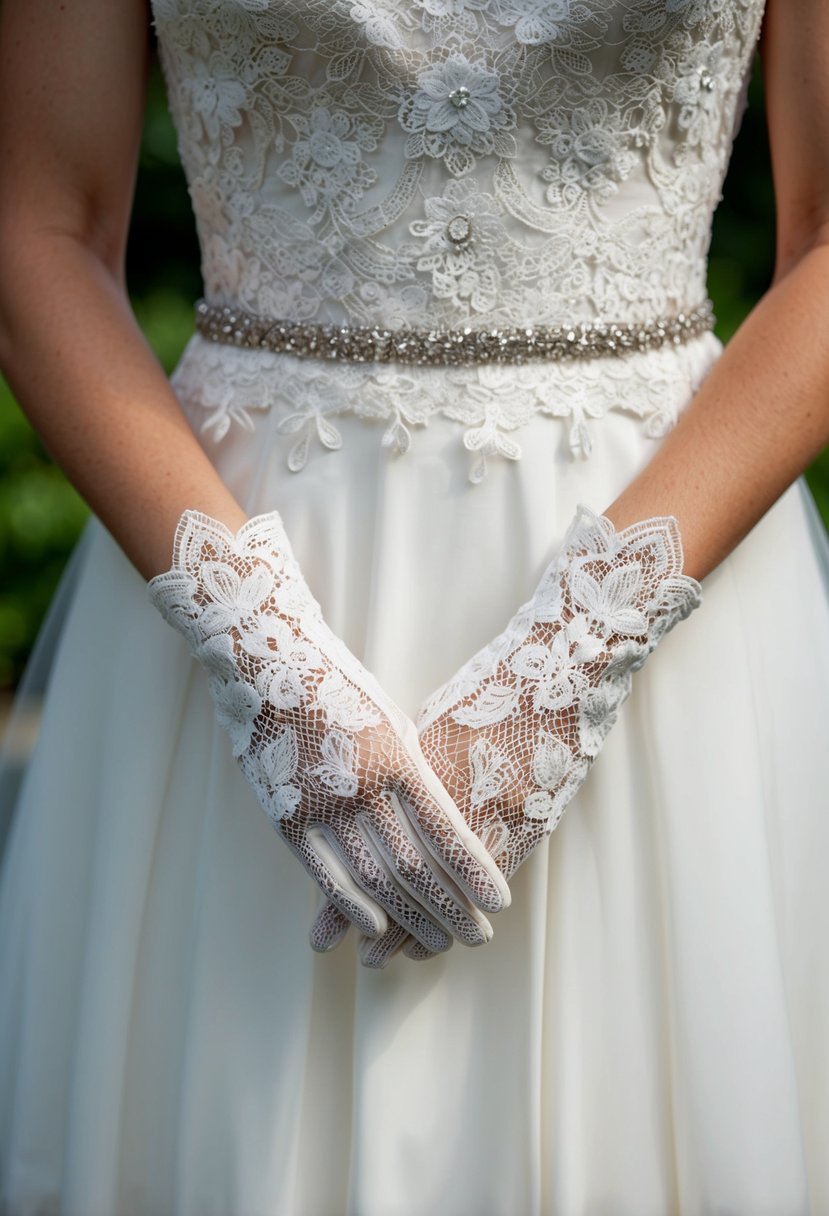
41	263
797	242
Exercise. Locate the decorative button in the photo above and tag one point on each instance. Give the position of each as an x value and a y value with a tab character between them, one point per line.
459	230
460	97
706	80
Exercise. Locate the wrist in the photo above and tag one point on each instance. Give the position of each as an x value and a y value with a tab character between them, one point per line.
161	535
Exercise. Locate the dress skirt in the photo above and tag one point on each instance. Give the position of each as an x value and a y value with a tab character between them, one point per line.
648	1032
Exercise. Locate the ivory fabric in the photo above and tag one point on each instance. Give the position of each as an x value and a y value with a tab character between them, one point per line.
648	1032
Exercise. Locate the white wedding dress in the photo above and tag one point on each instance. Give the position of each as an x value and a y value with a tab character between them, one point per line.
648	1032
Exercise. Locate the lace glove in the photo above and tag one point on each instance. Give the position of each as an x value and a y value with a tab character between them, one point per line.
334	763
513	734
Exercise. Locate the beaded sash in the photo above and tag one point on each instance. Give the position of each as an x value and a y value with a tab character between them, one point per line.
448	347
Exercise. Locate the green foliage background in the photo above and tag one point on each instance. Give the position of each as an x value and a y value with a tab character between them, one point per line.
41	516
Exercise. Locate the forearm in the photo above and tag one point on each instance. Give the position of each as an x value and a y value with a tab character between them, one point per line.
86	378
757	421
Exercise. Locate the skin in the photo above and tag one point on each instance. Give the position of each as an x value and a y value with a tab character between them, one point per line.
72	85
72	91
762	414
72	81
72	88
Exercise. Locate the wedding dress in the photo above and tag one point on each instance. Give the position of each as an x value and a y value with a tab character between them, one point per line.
648	1032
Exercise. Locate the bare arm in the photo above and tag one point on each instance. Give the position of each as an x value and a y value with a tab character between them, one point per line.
763	413
72	82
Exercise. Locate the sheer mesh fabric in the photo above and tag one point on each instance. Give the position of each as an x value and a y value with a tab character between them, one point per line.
334	763
513	734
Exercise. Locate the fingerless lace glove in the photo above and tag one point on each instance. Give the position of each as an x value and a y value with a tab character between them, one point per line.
513	734
335	763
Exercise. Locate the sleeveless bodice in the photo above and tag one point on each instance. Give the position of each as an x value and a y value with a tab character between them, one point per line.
456	162
461	161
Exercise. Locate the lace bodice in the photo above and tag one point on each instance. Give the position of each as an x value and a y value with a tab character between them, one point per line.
455	162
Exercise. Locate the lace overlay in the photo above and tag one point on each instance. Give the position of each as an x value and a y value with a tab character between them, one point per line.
513	734
221	385
450	163
330	758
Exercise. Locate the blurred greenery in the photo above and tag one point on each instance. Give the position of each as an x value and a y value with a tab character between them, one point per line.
41	516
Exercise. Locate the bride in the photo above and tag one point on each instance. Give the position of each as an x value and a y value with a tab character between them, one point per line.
454	264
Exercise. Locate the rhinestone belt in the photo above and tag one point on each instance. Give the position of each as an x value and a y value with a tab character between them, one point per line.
448	347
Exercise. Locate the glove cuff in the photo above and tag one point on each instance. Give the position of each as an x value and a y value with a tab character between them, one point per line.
215	569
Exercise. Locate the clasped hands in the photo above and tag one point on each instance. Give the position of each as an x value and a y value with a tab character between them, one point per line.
412	833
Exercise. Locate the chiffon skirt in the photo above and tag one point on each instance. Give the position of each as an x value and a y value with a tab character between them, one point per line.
648	1032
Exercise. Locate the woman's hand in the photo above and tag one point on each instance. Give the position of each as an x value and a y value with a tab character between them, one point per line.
513	734
334	763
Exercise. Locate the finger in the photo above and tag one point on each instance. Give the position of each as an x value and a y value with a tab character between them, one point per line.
335	881
494	836
389	822
329	928
508	853
378	954
351	839
449	838
414	950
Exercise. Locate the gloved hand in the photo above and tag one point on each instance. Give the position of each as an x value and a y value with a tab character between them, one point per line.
513	734
335	764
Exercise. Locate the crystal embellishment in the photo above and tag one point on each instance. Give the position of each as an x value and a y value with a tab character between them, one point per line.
459	97
447	347
459	230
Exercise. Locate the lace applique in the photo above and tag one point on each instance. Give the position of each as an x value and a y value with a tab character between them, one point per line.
456	114
454	162
316	737
513	734
221	385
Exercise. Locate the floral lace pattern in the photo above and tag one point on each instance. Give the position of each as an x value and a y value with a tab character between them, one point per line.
513	734
318	740
456	162
223	385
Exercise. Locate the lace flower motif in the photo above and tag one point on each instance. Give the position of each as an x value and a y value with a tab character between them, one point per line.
326	161
441	15
237	705
598	712
218	95
613	600
698	90
451	8
392	307
377	28
345	705
316	401
536	21
289	660
555	771
335	772
590	157
456	114
548	671
459	242
237	602
278	766
490	771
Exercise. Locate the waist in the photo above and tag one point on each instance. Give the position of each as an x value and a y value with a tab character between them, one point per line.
224	387
444	347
